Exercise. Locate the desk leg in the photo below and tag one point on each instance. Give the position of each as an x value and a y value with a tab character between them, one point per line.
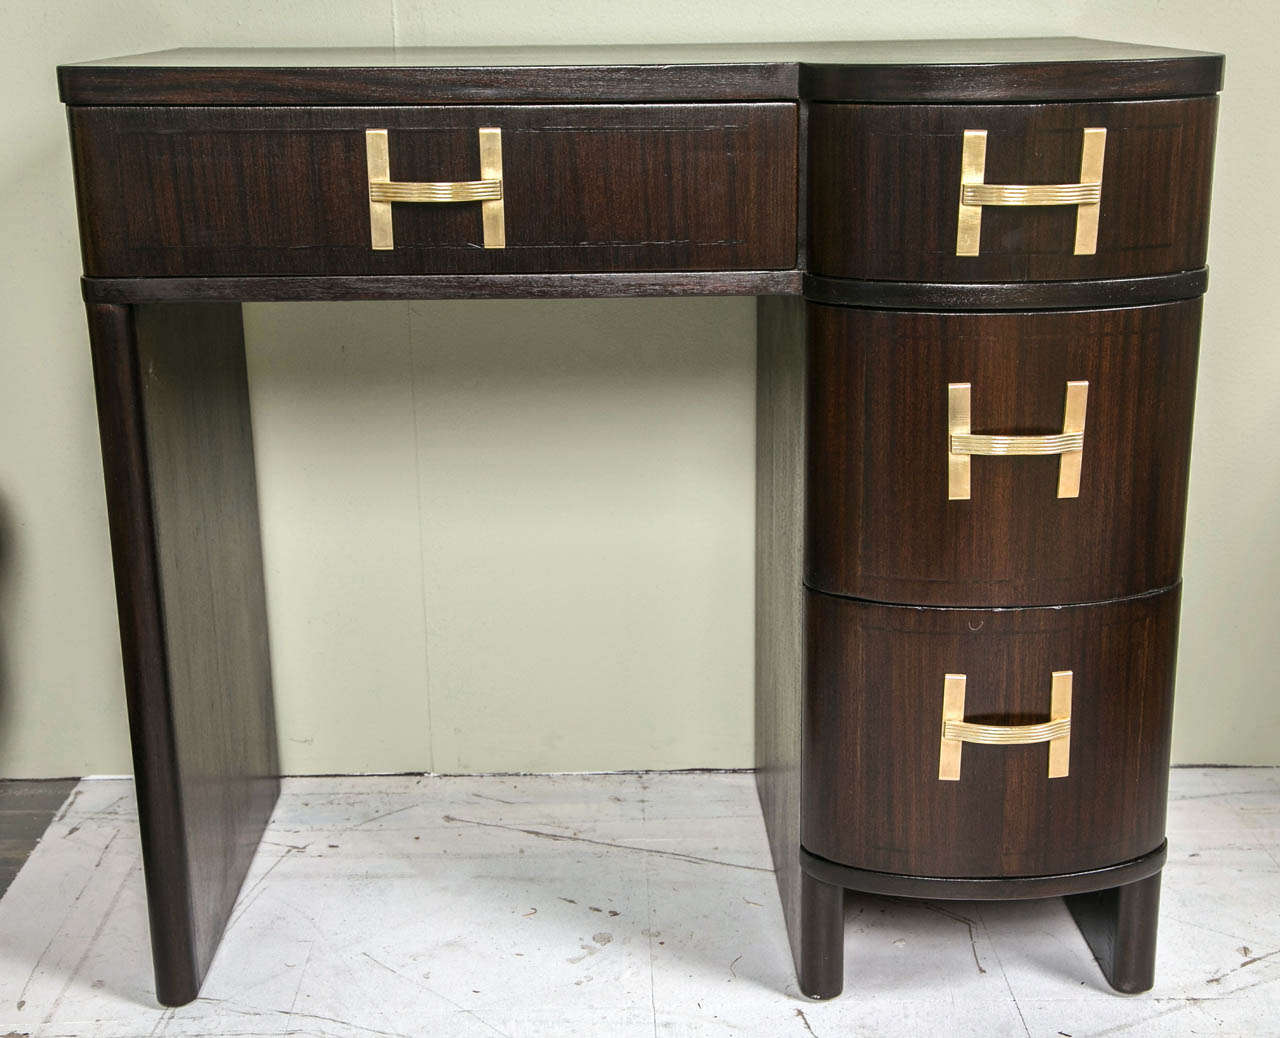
812	909
1119	926
177	450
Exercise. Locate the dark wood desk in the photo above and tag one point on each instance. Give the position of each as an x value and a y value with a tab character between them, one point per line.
980	265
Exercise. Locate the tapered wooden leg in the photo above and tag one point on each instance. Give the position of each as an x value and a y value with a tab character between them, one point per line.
173	415
1120	927
821	964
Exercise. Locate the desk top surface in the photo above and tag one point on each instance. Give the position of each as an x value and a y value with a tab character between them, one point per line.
1061	68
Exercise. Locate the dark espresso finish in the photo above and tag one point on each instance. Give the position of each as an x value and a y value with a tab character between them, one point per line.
1116	908
984	888
445	286
878	70
1120	926
780	360
886	181
824	170
1007	295
168	192
820	965
294	80
879	523
901	295
172	395
1043	76
872	726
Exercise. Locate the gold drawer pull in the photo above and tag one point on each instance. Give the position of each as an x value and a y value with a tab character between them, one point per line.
1031	194
974	193
487	191
956	731
1006	735
962	443
1008	446
447	191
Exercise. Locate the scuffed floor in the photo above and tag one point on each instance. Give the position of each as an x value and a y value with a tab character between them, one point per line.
612	905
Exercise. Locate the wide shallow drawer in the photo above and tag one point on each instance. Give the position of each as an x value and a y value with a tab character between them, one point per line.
874	748
886	190
902	510
245	191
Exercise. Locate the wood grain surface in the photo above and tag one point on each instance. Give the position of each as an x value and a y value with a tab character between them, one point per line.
1056	68
885	190
177	450
880	525
780	352
445	286
1006	295
872	728
828	169
986	888
166	192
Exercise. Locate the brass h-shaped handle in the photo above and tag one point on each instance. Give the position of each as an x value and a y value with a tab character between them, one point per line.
961	443
487	191
1086	196
956	731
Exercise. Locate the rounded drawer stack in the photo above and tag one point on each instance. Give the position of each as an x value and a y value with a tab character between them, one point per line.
1002	330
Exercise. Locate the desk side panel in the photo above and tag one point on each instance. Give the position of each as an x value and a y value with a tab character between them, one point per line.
779	593
182	500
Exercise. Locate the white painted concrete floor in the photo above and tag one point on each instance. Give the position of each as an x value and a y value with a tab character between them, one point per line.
612	905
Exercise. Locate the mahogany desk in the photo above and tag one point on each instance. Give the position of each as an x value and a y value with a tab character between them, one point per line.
980	265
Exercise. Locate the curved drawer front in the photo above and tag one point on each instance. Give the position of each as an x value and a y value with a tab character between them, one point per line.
1038	796
1022	510
435	189
958	193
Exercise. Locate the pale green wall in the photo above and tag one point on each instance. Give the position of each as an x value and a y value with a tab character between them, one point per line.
518	535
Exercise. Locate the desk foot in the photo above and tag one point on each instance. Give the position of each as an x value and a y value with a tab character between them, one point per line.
820	964
1119	926
177	451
